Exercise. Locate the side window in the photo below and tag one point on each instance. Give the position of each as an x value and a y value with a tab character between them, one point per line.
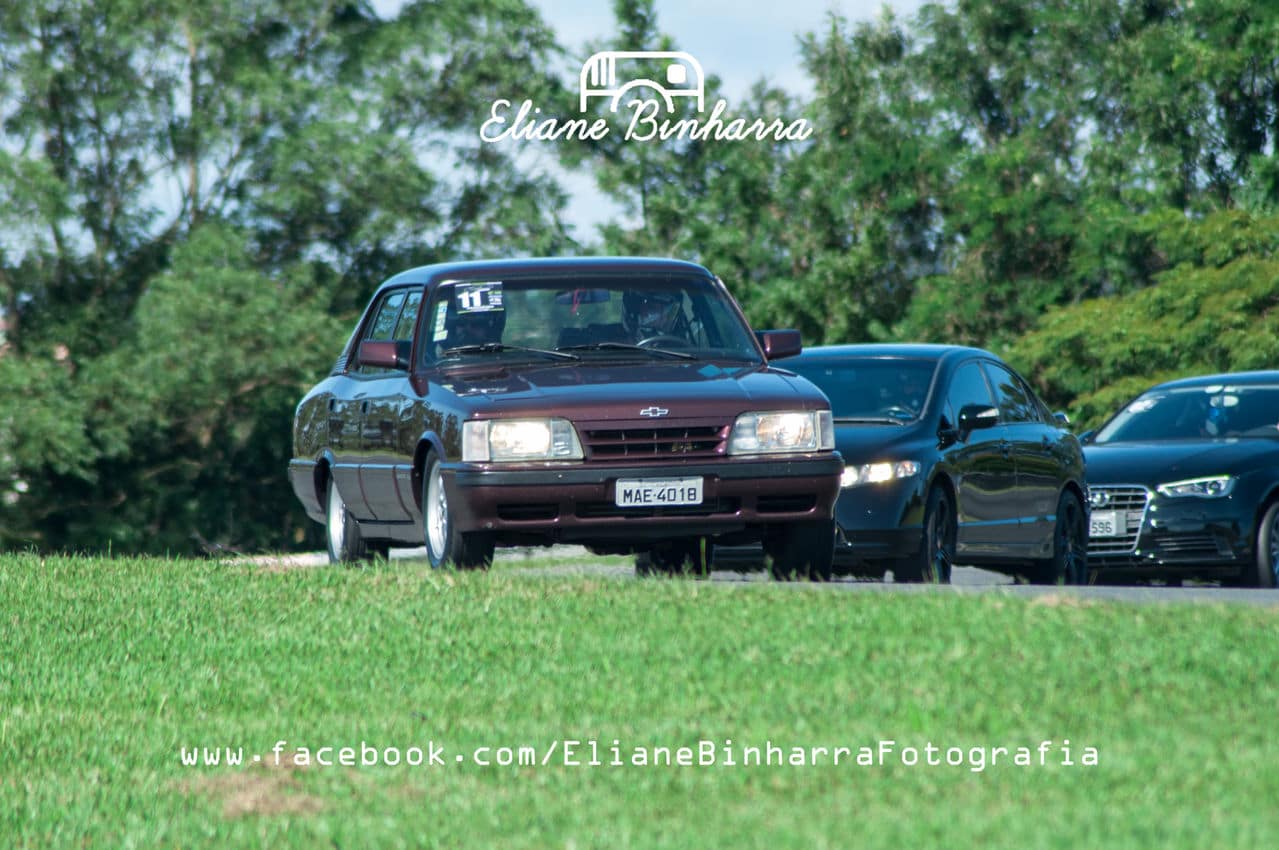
967	386
382	327
1016	402
408	317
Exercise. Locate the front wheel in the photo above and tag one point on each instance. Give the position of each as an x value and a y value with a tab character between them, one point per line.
1265	569
444	543
801	550
1069	561
932	563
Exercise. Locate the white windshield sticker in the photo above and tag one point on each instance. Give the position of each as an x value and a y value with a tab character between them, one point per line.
440	332
478	297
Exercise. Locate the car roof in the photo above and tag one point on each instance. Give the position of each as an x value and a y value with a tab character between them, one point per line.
1260	377
921	350
544	265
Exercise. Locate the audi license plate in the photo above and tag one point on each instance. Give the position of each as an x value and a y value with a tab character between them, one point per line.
1108	524
657	492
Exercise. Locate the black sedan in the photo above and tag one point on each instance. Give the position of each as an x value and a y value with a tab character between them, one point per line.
950	458
1184	482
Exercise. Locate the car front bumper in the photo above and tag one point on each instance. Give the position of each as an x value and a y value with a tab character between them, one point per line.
576	503
1181	537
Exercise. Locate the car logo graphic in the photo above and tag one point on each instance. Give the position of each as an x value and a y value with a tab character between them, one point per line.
684	77
1099	498
654	411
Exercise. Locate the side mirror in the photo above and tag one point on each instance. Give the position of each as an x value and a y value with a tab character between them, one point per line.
779	344
1087	436
974	417
384	355
1061	418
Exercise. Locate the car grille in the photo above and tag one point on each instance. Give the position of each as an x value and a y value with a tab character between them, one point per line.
1133	501
602	510
638	442
1187	545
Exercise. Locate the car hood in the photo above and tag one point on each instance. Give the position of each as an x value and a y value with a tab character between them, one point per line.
620	390
1158	462
867	443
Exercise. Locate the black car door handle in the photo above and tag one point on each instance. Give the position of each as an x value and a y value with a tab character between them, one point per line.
1046	442
1005	448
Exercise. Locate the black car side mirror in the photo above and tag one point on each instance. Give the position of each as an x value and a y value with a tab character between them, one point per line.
383	355
1061	418
779	344
1087	436
974	417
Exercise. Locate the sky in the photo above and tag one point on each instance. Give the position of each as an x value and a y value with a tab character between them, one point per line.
738	40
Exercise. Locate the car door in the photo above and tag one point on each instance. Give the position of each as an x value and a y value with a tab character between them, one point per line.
982	470
1031	440
381	408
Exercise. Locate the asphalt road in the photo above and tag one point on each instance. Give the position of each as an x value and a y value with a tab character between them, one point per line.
964	580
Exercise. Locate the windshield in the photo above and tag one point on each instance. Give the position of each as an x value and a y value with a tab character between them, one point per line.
872	389
1197	413
649	317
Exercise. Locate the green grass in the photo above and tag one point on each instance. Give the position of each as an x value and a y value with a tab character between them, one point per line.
110	666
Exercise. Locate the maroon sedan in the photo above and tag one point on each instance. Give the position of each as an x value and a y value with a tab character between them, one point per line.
623	404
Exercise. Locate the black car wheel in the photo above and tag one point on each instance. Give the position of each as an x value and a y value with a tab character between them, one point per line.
932	564
1266	557
676	557
444	543
341	531
1069	561
801	550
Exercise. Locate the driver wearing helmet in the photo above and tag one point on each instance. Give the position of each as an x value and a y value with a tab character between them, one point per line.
478	327
646	315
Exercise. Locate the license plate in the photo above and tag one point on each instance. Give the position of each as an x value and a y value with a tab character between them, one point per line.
1108	524
657	492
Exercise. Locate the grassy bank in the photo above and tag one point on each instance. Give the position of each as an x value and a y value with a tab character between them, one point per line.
111	667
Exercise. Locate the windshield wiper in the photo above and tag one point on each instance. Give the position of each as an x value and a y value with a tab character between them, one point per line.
493	347
871	420
625	346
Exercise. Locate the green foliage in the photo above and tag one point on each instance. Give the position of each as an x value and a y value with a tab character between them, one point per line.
1214	310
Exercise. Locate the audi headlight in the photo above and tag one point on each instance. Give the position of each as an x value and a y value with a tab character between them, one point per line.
520	439
877	473
776	432
1210	487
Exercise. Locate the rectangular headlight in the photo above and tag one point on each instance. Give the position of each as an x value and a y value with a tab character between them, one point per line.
774	432
877	473
520	439
1210	487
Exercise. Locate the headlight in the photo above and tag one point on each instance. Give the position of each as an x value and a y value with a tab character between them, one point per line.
520	439
1211	487
782	431
877	473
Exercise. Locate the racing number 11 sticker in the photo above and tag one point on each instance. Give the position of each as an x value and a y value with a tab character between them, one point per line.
478	297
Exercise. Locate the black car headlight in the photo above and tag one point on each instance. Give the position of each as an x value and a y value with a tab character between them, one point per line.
1208	487
877	473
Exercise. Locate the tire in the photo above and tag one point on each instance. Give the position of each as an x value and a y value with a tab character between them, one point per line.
1265	562
1069	561
341	530
801	550
444	543
677	557
936	556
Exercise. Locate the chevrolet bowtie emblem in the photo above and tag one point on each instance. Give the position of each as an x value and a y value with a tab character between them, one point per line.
654	411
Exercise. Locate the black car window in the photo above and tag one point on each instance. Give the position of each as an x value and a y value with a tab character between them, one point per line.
1195	413
871	388
1016	402
967	386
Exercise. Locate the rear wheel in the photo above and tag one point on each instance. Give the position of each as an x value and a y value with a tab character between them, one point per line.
1265	563
444	543
346	543
676	557
801	550
1069	561
932	563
